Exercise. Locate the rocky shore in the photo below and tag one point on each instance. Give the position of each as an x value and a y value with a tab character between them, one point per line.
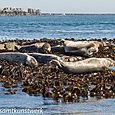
50	81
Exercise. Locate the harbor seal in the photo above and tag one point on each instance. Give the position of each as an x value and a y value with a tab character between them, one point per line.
82	47
21	58
58	48
44	58
85	66
37	47
71	51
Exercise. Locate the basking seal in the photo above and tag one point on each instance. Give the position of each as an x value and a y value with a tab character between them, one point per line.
81	47
58	48
21	58
44	58
70	51
37	47
76	44
85	66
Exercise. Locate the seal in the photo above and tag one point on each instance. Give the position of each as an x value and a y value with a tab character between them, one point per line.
21	58
85	66
77	44
37	47
70	51
44	58
58	48
81	47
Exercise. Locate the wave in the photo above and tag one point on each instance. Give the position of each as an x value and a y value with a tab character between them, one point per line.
107	23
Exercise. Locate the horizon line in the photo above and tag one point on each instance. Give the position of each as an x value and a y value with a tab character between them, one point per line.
50	12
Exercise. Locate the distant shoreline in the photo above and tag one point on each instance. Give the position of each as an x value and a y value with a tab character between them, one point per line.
54	14
9	11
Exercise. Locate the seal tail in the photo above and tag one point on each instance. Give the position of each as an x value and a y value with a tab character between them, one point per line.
57	62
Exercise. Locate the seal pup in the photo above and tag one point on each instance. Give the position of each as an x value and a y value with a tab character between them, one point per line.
37	47
21	58
44	58
85	66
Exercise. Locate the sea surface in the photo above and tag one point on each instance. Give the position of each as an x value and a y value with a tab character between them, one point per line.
35	27
47	106
76	26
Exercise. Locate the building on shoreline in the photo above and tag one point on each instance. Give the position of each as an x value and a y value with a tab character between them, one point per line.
9	11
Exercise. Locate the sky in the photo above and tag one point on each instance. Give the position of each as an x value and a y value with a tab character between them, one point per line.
63	6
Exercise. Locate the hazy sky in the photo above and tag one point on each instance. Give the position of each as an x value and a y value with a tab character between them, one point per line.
70	6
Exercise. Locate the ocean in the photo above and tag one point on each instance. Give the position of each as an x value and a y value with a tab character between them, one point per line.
75	26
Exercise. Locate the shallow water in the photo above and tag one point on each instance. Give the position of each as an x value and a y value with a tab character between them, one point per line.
21	100
79	26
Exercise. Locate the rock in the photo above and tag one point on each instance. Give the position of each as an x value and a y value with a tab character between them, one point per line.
10	46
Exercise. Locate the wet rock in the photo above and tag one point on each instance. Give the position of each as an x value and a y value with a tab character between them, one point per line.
10	46
10	92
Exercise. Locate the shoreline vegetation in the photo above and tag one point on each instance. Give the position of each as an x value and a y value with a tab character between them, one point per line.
50	81
9	11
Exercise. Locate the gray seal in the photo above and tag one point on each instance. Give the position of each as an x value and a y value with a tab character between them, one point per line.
85	66
21	58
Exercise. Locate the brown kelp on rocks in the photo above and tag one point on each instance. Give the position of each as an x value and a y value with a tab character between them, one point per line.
50	81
